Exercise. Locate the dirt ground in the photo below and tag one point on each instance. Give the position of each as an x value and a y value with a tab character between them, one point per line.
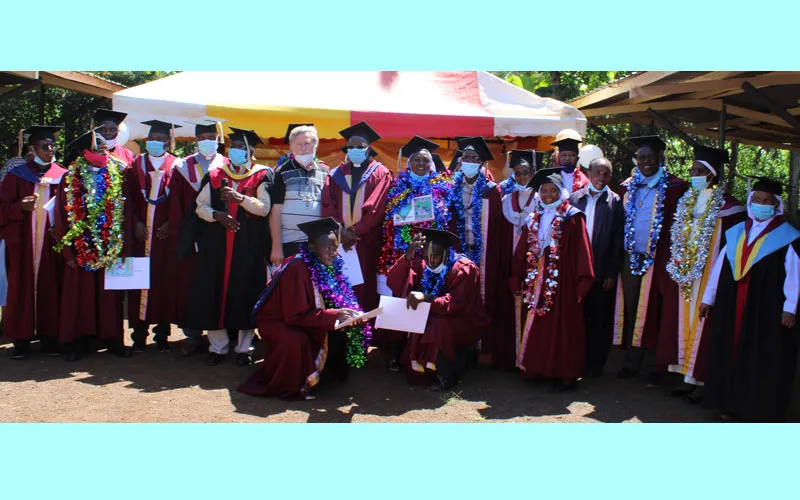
165	387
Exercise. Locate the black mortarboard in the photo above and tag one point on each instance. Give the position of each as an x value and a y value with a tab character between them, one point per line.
715	157
320	227
438	163
85	141
293	126
547	176
417	144
454	161
654	142
38	132
522	154
238	134
567	144
478	145
107	115
440	237
205	126
767	185
360	129
159	126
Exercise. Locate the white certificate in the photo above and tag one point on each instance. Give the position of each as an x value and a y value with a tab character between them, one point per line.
383	288
50	208
134	274
399	317
352	266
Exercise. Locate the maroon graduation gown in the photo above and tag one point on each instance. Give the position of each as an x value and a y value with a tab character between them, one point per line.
294	324
554	345
153	306
365	217
661	315
87	308
124	154
34	287
457	319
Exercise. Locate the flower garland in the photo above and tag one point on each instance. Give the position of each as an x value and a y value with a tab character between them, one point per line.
477	205
402	192
576	181
95	214
691	240
529	295
640	263
337	293
508	186
432	283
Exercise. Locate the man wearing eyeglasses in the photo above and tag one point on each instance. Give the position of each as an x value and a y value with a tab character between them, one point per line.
650	197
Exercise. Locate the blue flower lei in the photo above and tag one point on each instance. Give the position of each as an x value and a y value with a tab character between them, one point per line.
337	293
432	283
509	185
477	207
639	262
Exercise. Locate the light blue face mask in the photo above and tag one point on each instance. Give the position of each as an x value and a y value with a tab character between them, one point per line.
155	148
207	147
595	191
520	187
417	177
357	155
42	162
551	206
237	156
762	212
699	182
470	169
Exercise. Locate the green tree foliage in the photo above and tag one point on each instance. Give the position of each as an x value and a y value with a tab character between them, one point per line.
67	108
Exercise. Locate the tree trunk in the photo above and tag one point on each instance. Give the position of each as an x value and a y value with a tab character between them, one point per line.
794	180
555	77
731	178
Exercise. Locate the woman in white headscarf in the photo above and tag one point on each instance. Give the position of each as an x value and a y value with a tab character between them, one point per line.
552	271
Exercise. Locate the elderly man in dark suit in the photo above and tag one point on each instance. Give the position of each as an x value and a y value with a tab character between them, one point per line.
604	224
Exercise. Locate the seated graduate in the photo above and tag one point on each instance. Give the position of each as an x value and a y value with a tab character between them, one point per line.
296	316
451	283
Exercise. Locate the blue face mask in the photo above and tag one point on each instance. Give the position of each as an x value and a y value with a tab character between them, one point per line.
551	206
155	148
357	155
592	189
699	182
418	177
207	147
470	169
237	156
520	187
762	212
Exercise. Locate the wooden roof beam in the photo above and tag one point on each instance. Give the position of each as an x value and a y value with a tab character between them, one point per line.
670	126
621	145
658	106
743	140
19	90
754	115
770	105
716	85
618	88
711	75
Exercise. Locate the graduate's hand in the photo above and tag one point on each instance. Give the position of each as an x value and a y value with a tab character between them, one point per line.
349	238
608	284
416	244
415	299
140	232
227	221
230	194
705	309
28	204
163	231
276	256
72	264
787	320
346	315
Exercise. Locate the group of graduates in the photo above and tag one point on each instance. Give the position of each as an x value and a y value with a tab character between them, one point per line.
539	274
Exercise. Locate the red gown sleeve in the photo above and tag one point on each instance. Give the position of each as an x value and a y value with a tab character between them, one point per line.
453	301
298	309
10	209
374	207
331	195
402	276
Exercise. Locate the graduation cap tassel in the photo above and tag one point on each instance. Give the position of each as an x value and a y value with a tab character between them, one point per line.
399	158
172	138
246	145
20	142
220	135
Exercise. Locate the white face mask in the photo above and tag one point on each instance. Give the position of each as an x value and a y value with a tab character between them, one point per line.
42	162
595	191
304	160
438	269
520	187
111	143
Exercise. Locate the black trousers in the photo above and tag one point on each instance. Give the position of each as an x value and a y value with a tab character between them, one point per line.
452	371
161	332
599	312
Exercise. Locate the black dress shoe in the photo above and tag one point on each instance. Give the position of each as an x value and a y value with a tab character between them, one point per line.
138	347
626	373
50	348
214	359
243	359
442	384
22	350
120	350
394	365
653	380
163	346
681	390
